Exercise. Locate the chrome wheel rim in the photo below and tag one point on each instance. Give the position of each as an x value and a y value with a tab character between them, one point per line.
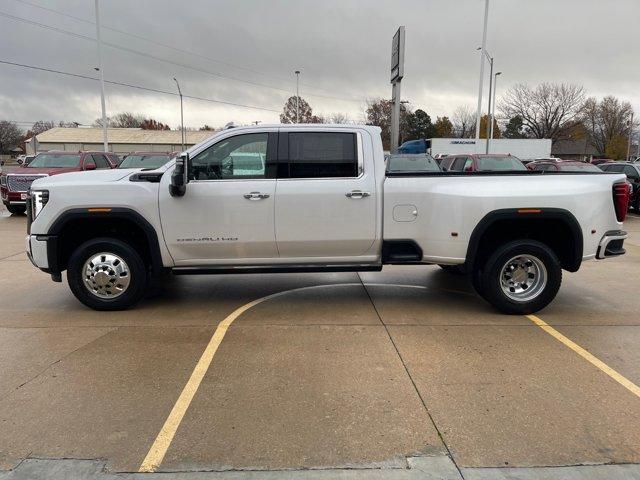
106	275
523	278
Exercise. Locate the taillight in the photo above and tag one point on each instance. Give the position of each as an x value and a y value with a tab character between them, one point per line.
621	200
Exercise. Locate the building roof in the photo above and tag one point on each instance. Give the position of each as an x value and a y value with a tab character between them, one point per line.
121	135
573	147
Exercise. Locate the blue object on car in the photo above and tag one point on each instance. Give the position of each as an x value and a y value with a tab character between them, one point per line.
413	146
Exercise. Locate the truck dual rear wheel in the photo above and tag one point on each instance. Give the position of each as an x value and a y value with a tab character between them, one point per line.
107	274
520	277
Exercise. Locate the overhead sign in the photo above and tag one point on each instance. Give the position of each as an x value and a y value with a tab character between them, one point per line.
397	56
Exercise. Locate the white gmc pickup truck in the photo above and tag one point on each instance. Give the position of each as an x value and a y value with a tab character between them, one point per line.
288	198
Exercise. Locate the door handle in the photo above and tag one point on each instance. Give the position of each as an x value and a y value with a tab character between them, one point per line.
256	196
357	194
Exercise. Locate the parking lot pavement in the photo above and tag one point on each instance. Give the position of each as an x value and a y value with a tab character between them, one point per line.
339	375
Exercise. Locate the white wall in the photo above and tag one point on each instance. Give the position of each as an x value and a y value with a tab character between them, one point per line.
521	148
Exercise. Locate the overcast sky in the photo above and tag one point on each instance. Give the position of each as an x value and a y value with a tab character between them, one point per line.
342	48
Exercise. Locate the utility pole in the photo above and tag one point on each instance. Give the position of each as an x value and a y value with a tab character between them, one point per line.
484	44
105	139
181	113
297	72
630	135
493	106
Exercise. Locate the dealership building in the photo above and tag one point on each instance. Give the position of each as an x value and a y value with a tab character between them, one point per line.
528	148
121	140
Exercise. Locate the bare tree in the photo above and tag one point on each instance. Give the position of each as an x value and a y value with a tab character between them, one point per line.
305	112
464	121
608	125
10	136
339	118
547	111
40	126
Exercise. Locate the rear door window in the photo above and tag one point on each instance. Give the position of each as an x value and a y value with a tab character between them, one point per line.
458	164
322	155
446	163
101	162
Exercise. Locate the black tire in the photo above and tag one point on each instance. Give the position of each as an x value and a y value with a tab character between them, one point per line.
137	273
16	209
454	269
476	281
636	204
544	292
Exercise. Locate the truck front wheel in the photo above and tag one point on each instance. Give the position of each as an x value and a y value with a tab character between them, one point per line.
107	274
521	277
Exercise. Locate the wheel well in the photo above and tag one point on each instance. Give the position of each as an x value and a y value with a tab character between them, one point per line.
562	235
75	230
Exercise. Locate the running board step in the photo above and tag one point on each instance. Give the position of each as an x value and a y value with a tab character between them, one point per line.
283	269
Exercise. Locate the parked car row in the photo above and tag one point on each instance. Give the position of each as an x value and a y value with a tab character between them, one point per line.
14	187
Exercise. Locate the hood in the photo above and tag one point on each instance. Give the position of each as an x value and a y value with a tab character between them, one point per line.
82	178
43	170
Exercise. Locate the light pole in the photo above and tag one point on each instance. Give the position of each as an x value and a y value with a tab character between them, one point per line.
630	135
181	113
105	139
484	44
489	111
493	103
297	72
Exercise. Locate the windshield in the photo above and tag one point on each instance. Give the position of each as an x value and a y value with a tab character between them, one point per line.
500	163
144	161
412	163
49	160
582	167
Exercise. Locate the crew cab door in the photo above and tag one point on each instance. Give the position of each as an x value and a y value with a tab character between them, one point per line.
326	195
227	212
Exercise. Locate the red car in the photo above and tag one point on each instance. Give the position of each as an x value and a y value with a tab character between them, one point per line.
562	166
147	160
15	186
481	163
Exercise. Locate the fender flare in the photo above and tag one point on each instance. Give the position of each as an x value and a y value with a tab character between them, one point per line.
103	212
521	214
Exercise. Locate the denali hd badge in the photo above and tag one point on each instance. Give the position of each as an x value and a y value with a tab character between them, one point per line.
208	239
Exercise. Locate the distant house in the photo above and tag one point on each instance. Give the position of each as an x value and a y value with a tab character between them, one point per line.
580	150
121	140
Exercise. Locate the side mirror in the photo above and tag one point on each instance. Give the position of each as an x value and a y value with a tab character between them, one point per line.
178	185
20	161
90	166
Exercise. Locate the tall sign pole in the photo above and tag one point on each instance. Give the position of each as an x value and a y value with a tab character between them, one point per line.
104	107
483	53
397	72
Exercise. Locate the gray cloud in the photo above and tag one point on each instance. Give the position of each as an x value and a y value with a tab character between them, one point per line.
342	48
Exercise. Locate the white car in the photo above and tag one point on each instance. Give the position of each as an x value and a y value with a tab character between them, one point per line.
290	198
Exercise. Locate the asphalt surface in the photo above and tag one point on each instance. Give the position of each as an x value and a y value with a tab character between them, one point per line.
400	374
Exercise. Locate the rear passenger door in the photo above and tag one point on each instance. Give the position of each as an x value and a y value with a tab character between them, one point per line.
325	195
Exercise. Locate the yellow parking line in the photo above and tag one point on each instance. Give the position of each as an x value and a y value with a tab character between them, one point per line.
625	382
162	442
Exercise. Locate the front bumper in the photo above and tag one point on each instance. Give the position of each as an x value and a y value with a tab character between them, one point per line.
611	244
36	247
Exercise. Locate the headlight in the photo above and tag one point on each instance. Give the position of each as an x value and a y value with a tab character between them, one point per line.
3	180
39	199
